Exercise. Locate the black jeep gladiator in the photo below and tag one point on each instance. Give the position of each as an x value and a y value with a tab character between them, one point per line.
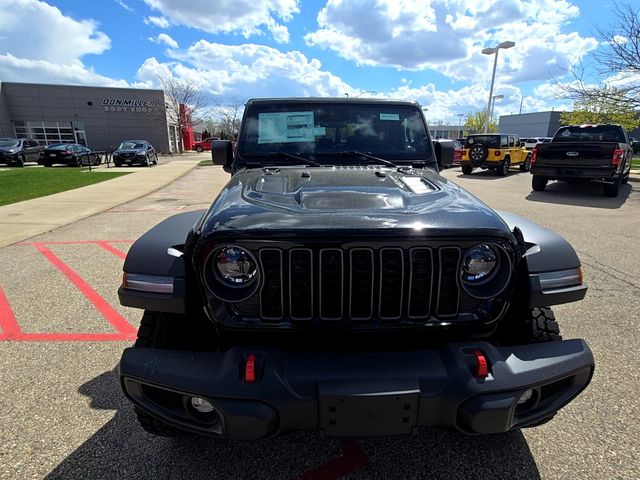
339	284
580	153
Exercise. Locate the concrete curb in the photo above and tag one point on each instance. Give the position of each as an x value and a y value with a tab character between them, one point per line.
23	220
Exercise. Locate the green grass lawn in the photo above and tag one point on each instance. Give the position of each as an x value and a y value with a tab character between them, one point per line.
21	184
635	163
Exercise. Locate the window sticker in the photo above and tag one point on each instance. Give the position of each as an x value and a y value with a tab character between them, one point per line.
390	116
285	127
319	131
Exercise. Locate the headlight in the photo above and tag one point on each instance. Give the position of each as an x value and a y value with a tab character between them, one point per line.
235	265
479	264
485	270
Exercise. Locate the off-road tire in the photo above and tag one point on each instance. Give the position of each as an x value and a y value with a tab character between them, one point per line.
467	169
538	183
478	153
526	165
503	169
541	326
625	178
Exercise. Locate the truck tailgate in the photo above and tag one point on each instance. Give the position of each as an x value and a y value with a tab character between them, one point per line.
575	154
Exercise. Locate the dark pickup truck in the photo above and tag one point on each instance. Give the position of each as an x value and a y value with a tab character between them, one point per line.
579	153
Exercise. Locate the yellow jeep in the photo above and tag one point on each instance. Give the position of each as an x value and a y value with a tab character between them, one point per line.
495	151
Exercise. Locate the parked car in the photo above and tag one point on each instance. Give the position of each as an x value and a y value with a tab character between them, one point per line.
635	144
339	284
18	151
580	153
131	152
530	143
205	144
494	151
72	154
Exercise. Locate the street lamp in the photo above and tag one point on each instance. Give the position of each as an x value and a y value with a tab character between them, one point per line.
493	104
460	115
491	51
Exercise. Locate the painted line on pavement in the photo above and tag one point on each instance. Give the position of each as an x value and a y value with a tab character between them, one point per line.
72	337
351	459
110	248
108	312
9	328
74	242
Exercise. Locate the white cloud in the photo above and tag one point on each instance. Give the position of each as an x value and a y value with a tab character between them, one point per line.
164	39
38	31
159	22
125	6
247	17
447	35
246	70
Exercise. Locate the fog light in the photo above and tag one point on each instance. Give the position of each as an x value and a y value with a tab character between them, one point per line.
525	396
201	405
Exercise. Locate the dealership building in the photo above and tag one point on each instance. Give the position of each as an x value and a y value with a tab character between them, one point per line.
99	117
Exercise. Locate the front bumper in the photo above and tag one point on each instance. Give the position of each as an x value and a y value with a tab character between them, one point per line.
366	394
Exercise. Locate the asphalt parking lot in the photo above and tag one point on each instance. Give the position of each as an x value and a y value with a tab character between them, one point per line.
62	414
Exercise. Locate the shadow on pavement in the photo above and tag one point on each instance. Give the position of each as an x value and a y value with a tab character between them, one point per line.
580	195
488	175
121	449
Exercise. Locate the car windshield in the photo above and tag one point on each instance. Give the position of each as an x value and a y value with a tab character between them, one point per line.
130	145
590	133
9	143
491	141
318	130
59	146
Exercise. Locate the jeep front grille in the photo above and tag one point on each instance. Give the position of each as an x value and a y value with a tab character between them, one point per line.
361	286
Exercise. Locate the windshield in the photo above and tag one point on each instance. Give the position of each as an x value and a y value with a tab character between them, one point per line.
9	143
130	145
589	133
491	141
316	130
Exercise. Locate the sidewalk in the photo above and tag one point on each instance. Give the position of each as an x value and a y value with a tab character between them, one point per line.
23	220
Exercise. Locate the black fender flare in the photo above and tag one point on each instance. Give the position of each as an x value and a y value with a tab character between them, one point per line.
150	260
546	255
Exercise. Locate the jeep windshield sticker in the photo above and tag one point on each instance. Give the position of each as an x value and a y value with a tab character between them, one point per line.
390	116
285	127
319	131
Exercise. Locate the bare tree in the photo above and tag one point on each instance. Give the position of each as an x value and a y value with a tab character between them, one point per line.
185	103
618	58
228	116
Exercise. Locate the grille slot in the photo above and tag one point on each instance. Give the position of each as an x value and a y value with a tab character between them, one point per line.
271	295
391	283
331	286
448	291
361	284
421	281
301	284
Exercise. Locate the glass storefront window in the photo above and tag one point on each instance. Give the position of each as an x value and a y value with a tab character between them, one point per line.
46	133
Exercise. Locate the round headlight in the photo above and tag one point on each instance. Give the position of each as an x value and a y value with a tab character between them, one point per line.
235	265
479	263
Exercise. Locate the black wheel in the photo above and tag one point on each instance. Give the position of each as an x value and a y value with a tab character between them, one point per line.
117	164
612	189
199	149
147	162
526	166
78	162
538	183
20	161
155	158
467	169
478	153
503	169
625	178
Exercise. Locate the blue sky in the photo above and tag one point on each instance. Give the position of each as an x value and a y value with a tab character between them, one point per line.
425	50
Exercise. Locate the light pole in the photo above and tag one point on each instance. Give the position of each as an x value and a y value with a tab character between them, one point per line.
491	51
493	104
460	115
521	100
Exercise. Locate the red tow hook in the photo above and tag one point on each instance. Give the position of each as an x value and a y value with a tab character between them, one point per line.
250	369
482	366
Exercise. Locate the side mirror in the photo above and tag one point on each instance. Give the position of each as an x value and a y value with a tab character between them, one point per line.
444	154
222	154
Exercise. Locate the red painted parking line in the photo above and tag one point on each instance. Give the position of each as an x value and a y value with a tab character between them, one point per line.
352	458
72	337
74	242
112	249
107	311
9	328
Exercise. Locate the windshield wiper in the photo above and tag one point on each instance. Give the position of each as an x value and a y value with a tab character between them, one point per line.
358	154
306	161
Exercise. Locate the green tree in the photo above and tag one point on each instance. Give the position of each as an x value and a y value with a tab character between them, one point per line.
475	123
611	106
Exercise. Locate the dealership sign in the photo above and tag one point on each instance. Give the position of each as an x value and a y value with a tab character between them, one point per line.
127	105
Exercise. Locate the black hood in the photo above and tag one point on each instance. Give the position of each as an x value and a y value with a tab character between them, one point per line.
361	198
129	150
